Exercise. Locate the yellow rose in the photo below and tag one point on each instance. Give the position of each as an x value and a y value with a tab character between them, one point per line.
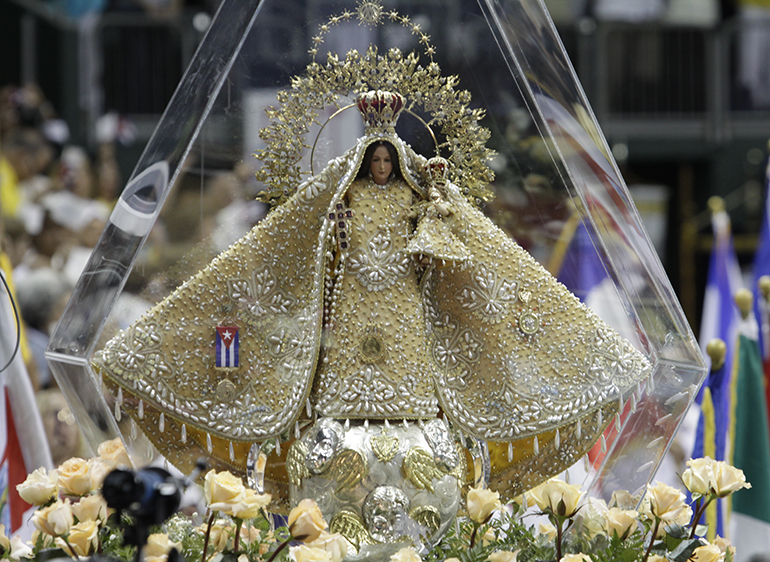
621	522
406	554
557	497
728	479
304	553
75	477
699	477
576	558
706	553
39	487
333	543
82	539
306	522
725	546
481	502
546	529
5	542
453	559
503	556
657	558
98	469
667	504
250	504
45	540
222	490
114	454
243	558
249	534
55	520
158	547
20	549
219	535
488	537
90	508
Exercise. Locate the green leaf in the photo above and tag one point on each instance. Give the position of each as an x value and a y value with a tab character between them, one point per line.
684	551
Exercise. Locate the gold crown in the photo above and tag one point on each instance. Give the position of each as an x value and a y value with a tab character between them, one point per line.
380	110
438	168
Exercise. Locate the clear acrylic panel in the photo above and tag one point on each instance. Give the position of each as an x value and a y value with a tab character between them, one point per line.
193	190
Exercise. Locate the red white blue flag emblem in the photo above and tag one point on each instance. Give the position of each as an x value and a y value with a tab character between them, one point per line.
227	347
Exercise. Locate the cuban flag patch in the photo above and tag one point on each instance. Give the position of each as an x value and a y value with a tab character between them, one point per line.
227	347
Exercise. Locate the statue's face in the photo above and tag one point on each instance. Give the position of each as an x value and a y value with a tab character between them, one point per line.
381	166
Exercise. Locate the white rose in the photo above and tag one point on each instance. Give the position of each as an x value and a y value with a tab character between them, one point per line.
557	497
98	470
547	529
39	487
114	454
304	553
55	520
223	490
481	502
576	558
621	521
406	554
20	549
82	539
707	553
728	479
75	477
158	547
503	556
306	522
250	505
667	504
333	543
90	508
699	477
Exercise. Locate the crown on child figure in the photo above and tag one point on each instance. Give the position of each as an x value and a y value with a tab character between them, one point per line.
380	110
438	168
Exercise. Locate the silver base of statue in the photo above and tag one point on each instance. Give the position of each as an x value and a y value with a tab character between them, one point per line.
382	486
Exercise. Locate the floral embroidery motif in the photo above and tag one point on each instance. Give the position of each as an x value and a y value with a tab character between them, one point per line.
368	392
455	351
138	354
258	295
490	295
377	265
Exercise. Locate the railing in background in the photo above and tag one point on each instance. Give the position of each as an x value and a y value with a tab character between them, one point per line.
644	81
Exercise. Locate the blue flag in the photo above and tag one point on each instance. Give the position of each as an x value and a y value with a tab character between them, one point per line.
720	319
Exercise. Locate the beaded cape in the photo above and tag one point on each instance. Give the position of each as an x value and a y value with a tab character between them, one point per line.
362	302
505	351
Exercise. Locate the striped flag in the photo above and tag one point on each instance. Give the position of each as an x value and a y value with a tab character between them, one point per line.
750	518
23	443
720	320
227	347
762	268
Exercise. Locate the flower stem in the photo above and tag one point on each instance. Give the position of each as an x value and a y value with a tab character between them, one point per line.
652	539
473	535
558	538
699	511
238	525
279	549
208	534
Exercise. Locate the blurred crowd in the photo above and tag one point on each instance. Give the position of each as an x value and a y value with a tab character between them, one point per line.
55	200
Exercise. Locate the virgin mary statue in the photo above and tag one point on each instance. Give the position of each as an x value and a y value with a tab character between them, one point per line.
375	294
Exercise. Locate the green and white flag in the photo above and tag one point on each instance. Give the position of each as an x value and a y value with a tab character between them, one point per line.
750	521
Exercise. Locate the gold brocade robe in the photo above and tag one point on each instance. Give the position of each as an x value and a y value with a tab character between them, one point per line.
482	332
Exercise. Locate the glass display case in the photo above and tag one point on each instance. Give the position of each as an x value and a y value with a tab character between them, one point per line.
531	157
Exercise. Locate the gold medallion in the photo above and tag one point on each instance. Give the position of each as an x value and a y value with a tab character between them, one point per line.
420	468
385	446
